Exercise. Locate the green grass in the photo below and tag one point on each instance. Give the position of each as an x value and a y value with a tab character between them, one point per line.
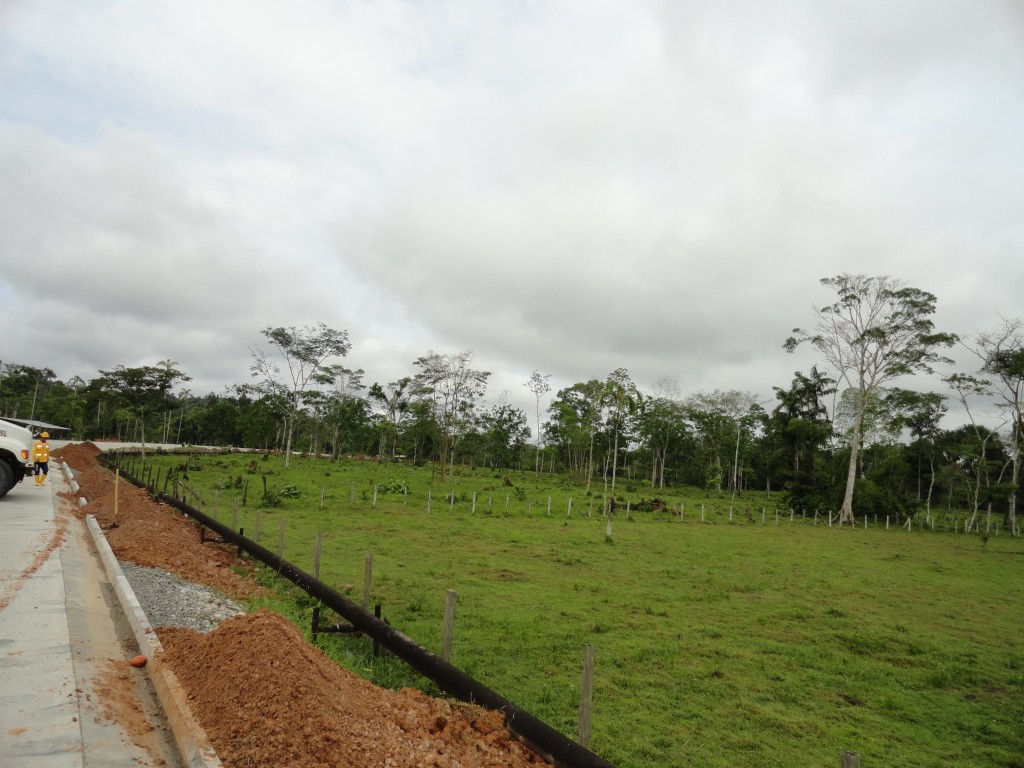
720	644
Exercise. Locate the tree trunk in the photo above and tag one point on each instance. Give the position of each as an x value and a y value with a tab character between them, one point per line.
846	510
1011	501
736	463
615	459
289	426
931	486
590	461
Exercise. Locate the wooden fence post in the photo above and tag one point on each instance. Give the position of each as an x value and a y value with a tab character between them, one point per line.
586	696
317	546
367	580
449	624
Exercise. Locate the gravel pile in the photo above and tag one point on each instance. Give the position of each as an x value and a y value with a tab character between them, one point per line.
171	602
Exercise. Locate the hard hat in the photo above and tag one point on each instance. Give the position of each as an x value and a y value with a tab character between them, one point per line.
45	434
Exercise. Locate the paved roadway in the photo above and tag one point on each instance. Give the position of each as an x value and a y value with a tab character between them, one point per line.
63	644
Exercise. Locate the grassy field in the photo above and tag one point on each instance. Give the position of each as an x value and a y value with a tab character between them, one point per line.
722	644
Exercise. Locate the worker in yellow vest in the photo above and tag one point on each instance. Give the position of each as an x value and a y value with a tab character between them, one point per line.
41	456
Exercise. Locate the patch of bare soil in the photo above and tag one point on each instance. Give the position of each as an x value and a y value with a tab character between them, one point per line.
268	698
115	693
265	696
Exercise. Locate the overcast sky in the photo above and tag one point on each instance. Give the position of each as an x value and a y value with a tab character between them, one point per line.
568	186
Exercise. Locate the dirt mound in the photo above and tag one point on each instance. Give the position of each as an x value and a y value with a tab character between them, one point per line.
148	533
268	698
78	455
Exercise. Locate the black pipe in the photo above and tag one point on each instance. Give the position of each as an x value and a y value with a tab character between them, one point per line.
539	736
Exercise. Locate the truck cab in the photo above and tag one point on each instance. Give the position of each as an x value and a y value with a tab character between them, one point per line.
15	455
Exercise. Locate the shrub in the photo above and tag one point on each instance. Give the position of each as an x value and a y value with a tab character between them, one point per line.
392	485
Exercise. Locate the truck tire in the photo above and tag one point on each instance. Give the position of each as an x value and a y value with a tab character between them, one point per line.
6	478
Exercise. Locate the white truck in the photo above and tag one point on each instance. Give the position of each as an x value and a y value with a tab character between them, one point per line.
15	455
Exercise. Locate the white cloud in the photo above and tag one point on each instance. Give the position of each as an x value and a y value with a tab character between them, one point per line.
566	186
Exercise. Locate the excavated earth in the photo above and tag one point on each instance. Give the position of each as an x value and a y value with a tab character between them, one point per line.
264	695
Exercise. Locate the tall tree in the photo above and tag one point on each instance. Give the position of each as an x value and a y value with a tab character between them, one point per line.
142	390
304	351
503	432
801	421
575	414
919	413
877	331
19	388
1002	356
661	423
538	384
394	404
456	387
75	382
979	452
739	410
621	398
341	405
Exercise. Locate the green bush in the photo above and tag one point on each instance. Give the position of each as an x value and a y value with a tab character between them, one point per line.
392	485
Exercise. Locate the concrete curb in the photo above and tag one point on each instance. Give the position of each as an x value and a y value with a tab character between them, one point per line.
69	477
192	741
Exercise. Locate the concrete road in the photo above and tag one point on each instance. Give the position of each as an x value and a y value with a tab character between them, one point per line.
67	696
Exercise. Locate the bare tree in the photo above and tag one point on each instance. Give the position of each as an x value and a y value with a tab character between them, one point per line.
877	331
304	351
538	384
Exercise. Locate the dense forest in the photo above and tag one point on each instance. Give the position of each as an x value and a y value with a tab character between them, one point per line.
839	430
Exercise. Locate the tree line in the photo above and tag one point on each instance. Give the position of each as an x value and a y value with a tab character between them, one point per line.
841	436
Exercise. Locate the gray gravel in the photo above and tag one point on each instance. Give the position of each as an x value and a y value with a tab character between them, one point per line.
168	601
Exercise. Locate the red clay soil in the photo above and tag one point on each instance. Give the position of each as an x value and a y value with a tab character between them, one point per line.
264	695
151	534
267	697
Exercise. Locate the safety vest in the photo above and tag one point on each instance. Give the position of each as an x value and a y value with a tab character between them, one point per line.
41	451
